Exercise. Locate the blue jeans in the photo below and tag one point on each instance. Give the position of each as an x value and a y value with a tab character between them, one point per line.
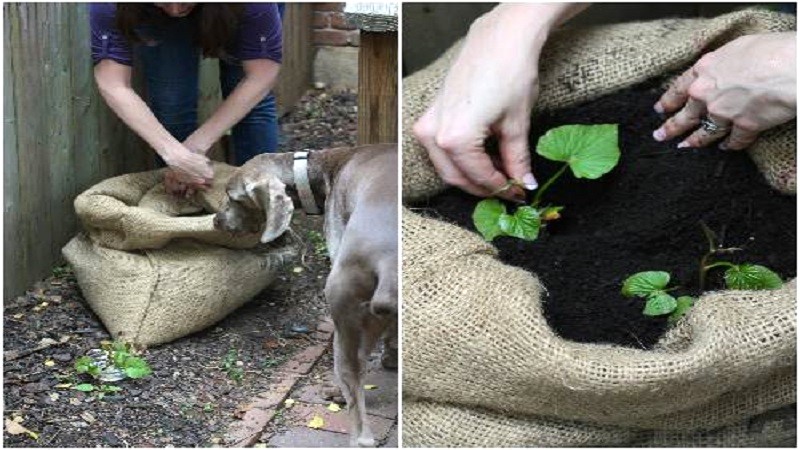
171	69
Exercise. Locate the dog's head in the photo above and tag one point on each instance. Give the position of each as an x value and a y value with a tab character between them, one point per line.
256	198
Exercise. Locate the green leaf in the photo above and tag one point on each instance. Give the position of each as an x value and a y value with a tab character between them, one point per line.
643	284
486	218
110	388
136	367
84	387
684	304
83	364
523	224
660	304
751	277
590	150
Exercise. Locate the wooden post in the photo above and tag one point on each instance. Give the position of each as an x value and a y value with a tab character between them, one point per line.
377	87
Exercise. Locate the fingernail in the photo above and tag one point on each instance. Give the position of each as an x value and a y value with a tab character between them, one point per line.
683	144
658	108
659	134
529	181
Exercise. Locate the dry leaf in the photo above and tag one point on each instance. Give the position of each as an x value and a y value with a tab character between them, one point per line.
19	316
316	423
297	270
370	387
289	402
54	396
49	363
334	407
88	417
14	427
63	386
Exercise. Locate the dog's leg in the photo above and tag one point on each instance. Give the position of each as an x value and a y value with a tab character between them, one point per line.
347	292
389	356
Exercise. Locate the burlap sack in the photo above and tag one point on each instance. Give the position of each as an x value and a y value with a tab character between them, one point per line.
577	66
481	366
152	275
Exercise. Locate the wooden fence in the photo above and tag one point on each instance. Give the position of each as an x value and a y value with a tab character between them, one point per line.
60	137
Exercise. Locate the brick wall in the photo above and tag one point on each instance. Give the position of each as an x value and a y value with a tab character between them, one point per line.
331	28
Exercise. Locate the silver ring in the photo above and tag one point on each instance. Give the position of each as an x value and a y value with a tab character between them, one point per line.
711	127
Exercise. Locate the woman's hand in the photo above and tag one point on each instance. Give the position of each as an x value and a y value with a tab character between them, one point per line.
741	89
490	89
190	168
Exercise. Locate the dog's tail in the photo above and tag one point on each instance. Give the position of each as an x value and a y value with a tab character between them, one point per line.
384	299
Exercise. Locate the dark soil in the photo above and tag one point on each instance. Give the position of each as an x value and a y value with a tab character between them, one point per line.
644	215
189	400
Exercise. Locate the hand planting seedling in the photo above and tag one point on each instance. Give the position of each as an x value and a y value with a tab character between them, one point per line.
653	285
591	151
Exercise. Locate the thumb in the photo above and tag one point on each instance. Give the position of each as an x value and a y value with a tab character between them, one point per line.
516	157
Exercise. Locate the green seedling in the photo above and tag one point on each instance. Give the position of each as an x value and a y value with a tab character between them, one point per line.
122	355
590	151
318	242
652	286
230	367
119	355
737	276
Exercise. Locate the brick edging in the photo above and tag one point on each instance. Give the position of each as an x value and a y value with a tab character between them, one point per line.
246	431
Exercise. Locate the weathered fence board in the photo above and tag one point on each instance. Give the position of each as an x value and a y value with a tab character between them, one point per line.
59	135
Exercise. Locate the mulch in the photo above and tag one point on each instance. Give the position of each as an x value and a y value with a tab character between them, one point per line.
189	400
644	215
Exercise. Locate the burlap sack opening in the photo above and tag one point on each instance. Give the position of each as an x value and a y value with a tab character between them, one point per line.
481	366
154	269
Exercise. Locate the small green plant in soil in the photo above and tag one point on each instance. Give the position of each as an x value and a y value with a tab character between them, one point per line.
318	242
590	151
230	365
652	285
119	355
737	276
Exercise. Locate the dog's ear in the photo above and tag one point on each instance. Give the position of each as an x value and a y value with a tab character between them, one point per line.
270	195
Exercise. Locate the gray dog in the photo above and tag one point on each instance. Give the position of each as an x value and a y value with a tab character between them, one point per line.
358	188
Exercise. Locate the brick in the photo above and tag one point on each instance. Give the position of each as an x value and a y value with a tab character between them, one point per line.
328	6
245	433
321	20
325	325
339	22
276	394
302	437
339	38
303	362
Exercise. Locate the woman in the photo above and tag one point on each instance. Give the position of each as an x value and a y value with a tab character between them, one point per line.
170	38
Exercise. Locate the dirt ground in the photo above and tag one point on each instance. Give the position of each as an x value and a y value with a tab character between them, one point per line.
641	216
189	400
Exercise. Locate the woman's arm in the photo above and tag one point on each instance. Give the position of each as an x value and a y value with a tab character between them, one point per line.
114	82
260	76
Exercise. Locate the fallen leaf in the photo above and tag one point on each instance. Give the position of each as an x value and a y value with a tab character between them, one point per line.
272	344
14	427
46	342
88	417
63	386
334	407
36	309
316	423
49	363
297	270
44	304
288	402
54	396
260	445
370	387
74	401
19	316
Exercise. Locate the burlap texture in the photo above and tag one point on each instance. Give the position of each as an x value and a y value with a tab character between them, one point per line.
577	66
477	350
153	276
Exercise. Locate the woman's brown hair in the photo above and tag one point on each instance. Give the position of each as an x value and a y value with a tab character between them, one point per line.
215	24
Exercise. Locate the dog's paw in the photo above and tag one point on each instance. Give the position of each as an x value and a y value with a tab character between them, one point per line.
366	441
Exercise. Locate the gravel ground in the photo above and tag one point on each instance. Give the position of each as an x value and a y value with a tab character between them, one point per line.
189	400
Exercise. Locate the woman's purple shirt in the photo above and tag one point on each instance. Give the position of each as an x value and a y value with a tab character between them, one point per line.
258	37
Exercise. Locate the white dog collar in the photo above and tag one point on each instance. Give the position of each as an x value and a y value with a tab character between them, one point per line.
303	185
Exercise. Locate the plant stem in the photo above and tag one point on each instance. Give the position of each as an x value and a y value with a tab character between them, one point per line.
719	264
544	187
